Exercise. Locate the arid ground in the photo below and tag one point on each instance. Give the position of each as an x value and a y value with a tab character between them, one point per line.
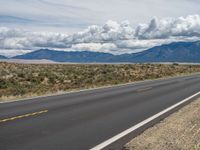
30	80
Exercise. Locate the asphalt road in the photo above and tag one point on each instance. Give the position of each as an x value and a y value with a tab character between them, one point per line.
82	120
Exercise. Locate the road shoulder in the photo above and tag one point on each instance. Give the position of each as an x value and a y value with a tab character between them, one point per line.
180	130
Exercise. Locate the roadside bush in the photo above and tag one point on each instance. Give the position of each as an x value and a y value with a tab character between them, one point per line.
37	79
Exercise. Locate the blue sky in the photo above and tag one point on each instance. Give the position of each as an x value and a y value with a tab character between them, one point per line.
114	26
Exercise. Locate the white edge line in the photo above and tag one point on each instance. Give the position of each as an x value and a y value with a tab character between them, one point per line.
102	87
135	127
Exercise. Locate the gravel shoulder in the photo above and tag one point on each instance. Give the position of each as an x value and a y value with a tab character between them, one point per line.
180	131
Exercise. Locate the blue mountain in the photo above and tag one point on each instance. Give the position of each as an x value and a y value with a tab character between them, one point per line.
2	57
62	56
174	52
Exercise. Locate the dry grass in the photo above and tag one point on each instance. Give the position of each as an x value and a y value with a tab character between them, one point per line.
27	80
180	131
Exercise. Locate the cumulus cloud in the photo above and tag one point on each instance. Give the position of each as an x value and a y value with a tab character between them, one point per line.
21	39
112	37
170	27
111	31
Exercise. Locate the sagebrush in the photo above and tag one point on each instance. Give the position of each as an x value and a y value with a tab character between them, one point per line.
23	80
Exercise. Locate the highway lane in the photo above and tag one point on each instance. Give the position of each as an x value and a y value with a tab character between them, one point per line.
84	119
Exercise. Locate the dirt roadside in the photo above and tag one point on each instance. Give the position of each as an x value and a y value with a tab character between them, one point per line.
180	131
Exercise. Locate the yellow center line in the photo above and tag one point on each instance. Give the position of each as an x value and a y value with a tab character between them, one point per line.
144	89
23	116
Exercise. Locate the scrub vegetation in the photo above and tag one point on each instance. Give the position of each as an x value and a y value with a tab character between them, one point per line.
29	80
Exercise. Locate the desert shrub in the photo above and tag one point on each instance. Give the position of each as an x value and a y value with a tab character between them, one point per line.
3	84
30	79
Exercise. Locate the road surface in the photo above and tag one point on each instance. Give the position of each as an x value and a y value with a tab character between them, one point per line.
82	120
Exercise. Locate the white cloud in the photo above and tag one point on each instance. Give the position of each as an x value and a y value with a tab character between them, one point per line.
170	27
75	15
112	37
111	31
96	47
13	52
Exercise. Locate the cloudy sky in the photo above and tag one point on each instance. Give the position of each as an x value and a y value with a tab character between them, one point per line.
114	26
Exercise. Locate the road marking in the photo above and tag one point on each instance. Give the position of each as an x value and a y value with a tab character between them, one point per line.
144	89
23	116
137	126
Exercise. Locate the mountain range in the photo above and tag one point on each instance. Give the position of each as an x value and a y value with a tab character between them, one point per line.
62	56
174	52
2	57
